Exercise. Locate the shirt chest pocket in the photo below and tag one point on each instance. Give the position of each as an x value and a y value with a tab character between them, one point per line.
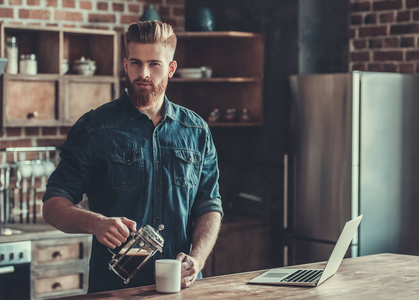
127	168
186	167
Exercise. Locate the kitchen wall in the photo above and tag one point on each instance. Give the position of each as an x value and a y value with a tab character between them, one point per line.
384	35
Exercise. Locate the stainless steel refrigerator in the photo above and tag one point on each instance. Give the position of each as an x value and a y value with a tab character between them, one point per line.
354	150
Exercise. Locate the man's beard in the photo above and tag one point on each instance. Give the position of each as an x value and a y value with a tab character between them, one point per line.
144	98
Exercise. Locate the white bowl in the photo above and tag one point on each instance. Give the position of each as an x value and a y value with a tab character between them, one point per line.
190	72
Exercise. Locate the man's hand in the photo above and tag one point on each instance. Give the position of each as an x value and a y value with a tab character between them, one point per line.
190	269
65	216
112	232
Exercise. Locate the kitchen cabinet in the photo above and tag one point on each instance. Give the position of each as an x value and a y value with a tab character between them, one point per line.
242	245
59	267
55	97
236	60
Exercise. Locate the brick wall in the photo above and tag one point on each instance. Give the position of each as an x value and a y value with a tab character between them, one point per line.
102	14
384	35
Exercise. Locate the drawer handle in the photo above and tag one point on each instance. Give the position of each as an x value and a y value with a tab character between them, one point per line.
32	115
56	285
55	254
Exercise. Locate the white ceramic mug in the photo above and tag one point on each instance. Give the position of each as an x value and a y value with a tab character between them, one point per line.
167	276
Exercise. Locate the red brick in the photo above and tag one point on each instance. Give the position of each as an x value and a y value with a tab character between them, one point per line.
51	3
133	8
389	68
404	29
359	44
6	12
13	131
15	2
69	3
68	16
102	6
34	14
49	131
403	16
370	19
33	2
86	5
375	67
128	19
387	55
392	42
30	131
407	42
360	56
407	68
387	5
360	6
412	3
372	31
375	43
387	17
415	15
412	55
164	11
102	18
17	143
118	7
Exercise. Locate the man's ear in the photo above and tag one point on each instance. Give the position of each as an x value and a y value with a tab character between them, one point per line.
172	68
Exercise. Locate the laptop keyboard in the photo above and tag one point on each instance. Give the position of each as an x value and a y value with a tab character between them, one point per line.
303	276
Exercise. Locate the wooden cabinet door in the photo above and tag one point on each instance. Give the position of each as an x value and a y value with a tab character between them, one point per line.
82	95
30	101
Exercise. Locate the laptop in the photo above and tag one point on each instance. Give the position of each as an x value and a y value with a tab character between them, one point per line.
312	278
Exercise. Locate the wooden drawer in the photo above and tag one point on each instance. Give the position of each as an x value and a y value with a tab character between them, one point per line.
60	251
59	282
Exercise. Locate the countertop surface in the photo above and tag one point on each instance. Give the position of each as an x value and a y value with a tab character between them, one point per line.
30	232
381	276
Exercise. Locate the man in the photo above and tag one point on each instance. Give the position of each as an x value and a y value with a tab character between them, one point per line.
140	159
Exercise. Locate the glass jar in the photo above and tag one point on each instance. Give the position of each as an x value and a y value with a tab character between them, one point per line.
244	115
229	115
131	256
28	64
12	55
214	115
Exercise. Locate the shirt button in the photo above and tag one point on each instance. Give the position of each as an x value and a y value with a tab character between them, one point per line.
157	161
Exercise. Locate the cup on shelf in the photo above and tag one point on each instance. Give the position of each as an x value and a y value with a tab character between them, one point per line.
85	66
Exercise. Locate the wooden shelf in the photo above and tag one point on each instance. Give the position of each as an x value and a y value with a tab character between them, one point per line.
234	83
52	98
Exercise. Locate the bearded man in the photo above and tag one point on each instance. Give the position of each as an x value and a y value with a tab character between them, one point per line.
140	159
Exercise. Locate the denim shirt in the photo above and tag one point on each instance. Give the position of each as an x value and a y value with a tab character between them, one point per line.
165	174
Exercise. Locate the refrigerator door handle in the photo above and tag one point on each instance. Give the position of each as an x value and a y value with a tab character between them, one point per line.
285	217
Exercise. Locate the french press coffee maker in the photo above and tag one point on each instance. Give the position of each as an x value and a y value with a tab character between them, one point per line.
131	256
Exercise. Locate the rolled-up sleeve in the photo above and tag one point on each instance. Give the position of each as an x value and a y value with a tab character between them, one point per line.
208	198
70	178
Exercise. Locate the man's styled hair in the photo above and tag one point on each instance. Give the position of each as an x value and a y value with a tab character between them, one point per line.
151	32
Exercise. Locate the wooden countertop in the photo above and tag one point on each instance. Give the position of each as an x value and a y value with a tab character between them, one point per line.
32	232
381	276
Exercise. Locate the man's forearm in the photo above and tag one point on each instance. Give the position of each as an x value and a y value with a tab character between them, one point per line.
65	216
204	236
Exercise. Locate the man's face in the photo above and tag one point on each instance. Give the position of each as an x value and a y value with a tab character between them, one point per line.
147	68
